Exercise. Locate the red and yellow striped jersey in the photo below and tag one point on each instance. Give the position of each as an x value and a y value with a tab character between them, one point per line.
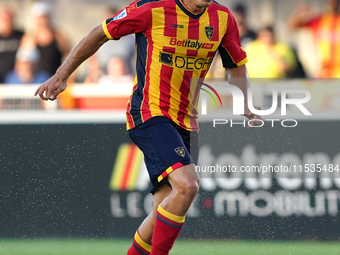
174	46
326	30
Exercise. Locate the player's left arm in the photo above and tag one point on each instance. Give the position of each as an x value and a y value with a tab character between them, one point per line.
239	77
234	59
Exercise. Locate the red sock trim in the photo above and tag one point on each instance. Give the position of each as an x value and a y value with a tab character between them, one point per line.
139	247
169	222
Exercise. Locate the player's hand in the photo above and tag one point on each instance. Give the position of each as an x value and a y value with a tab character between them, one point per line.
50	89
255	119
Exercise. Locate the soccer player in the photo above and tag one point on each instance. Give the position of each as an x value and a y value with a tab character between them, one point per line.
176	41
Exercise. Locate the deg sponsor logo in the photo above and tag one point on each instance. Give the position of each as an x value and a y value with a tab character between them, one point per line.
188	63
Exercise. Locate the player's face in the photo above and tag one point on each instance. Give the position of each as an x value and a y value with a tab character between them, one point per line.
197	5
202	3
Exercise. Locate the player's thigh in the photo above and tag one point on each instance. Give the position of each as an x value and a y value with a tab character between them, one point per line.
163	148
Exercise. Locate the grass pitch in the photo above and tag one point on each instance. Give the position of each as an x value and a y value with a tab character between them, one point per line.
120	246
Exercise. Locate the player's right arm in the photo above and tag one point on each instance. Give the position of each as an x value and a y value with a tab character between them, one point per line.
82	51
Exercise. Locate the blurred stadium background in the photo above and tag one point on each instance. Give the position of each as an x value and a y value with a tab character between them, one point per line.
71	182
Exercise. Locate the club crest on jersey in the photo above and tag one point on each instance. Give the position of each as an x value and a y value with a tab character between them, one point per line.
209	31
180	151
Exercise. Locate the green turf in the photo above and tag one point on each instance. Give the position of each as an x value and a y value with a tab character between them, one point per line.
119	247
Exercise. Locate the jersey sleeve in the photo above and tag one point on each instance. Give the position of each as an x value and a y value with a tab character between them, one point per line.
230	48
130	20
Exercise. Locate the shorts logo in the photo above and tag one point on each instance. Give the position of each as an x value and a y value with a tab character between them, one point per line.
209	31
180	151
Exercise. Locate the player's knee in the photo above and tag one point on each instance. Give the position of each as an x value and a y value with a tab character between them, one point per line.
194	186
185	181
189	188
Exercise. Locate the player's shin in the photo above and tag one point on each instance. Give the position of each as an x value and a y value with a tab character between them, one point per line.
167	229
